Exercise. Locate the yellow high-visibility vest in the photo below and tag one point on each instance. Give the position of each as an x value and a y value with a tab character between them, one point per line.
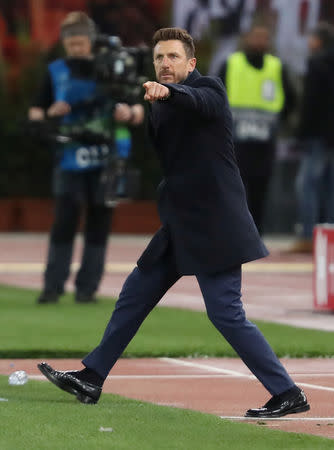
249	87
256	96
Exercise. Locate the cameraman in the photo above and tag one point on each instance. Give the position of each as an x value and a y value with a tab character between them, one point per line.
79	166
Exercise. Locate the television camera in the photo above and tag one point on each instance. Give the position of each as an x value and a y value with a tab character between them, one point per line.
119	73
120	70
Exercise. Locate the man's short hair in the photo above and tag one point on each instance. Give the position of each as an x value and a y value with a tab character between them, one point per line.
77	23
178	34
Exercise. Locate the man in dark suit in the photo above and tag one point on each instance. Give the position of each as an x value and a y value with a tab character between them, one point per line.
207	230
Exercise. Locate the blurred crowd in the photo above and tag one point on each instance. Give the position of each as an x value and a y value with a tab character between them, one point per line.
251	76
303	107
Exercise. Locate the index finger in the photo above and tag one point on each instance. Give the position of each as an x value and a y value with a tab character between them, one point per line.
147	84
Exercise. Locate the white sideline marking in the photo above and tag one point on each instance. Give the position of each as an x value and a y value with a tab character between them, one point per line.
280	419
206	367
219	370
169	377
278	267
37	267
317	386
238	374
299	374
151	377
179	376
125	267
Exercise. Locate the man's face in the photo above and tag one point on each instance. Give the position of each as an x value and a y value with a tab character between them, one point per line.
171	63
78	46
258	40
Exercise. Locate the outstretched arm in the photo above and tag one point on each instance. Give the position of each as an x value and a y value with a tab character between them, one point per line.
208	98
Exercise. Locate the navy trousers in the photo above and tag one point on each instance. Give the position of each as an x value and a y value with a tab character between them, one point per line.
221	292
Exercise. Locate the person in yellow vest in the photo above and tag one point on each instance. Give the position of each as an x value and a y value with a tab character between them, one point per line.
260	95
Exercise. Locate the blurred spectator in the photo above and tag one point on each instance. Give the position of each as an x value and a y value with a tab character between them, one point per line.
315	179
131	20
198	19
70	96
260	95
230	18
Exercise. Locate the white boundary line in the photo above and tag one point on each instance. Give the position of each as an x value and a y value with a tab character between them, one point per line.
237	374
38	267
179	362
153	377
190	376
310	375
316	386
280	268
224	373
280	419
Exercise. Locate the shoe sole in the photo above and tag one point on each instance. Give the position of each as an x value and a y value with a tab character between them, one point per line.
83	398
297	410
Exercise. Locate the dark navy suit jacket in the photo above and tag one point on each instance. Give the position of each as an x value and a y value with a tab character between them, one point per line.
206	224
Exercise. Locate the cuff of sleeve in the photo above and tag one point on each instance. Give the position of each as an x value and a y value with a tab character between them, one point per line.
167	96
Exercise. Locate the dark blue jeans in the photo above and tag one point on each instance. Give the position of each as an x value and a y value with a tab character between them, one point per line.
221	292
315	187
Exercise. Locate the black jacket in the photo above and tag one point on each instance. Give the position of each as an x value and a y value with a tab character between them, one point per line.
317	105
202	202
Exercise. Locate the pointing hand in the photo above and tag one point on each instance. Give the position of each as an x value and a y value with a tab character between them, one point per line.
155	91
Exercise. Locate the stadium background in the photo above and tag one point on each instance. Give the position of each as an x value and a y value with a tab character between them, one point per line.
29	39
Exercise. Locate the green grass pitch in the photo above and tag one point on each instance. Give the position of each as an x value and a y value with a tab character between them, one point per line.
66	330
40	416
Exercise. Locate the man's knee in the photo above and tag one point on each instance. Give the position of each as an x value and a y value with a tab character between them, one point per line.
97	225
231	316
67	214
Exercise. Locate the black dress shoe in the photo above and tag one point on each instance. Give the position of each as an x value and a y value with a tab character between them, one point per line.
85	392
48	297
281	405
